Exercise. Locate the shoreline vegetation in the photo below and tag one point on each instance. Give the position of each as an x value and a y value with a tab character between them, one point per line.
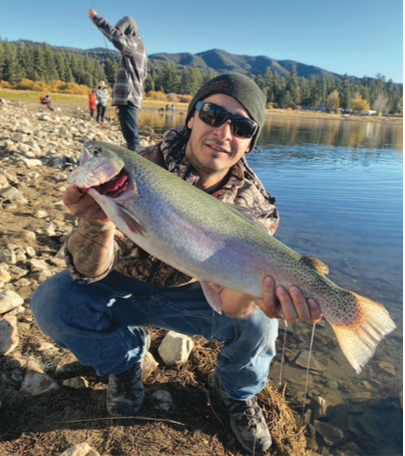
13	96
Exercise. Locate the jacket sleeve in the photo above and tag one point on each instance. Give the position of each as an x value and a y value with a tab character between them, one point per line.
118	39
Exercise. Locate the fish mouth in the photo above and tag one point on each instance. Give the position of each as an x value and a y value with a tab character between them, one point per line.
116	186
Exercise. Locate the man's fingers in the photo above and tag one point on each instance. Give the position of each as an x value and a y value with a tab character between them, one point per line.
268	303
315	311
287	305
300	303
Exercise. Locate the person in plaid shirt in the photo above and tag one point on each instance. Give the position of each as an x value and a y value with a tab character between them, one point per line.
128	88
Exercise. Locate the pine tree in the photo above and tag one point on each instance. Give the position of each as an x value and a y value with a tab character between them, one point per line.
169	79
10	63
51	72
292	86
345	92
110	70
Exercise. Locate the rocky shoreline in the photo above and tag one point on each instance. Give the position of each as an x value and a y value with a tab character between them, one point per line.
42	393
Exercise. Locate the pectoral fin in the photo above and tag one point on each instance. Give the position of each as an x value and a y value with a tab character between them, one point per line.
130	221
212	295
317	264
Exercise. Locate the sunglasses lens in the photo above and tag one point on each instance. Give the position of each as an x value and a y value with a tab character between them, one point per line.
215	116
212	114
244	128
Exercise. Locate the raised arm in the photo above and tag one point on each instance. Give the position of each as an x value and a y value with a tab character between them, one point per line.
117	38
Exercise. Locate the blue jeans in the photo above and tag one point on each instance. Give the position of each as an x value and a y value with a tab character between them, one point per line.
129	125
99	323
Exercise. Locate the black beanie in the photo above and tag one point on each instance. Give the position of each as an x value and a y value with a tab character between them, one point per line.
237	86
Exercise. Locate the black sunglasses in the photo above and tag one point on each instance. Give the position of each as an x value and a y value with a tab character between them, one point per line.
214	115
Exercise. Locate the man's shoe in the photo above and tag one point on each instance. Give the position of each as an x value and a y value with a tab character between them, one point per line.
125	393
246	419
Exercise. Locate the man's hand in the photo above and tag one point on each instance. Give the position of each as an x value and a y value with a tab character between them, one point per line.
91	13
83	205
293	303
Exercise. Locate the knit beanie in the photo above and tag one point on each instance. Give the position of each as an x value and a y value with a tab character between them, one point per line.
237	86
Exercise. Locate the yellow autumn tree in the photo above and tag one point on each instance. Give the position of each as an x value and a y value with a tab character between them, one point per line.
358	104
333	100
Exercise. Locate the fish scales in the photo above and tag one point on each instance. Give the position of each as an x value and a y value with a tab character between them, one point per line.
215	243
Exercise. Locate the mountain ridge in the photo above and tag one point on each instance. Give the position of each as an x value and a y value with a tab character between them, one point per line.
213	59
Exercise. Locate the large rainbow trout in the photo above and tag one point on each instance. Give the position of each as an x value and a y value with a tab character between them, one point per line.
215	243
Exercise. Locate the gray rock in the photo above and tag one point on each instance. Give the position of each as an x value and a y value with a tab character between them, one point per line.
38	265
39	214
30	251
302	361
4	273
175	348
387	367
37	384
81	449
76	383
332	435
18	272
12	194
8	256
9	300
15	311
164	398
149	364
8	335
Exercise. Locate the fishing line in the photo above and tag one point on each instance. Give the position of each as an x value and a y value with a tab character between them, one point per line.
307	375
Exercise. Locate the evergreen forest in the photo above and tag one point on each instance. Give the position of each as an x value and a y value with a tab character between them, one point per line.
21	61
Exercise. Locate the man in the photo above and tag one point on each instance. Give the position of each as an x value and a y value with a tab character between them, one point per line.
99	315
132	71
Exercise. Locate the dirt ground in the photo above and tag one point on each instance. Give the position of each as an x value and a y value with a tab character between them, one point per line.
48	425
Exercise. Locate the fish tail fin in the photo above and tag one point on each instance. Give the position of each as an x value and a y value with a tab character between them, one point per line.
358	339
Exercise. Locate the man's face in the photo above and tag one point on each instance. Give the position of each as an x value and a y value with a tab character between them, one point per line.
213	150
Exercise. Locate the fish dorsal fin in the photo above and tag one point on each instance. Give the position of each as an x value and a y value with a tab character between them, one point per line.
248	215
315	263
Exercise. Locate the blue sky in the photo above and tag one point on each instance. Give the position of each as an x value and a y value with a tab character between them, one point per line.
358	37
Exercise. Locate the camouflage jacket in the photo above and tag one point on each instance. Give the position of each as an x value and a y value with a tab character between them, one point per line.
242	188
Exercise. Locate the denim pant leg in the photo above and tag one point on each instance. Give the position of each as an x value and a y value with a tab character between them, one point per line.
249	342
100	322
128	115
79	317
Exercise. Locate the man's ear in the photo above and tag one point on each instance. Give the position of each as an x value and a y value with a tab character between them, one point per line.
190	122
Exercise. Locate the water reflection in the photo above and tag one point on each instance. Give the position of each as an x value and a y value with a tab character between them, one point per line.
342	133
303	131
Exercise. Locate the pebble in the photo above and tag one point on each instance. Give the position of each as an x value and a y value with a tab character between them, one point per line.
9	300
81	449
8	335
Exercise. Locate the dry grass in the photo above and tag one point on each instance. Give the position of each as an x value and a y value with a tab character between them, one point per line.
196	425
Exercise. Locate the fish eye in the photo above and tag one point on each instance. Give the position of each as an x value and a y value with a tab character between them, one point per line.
96	151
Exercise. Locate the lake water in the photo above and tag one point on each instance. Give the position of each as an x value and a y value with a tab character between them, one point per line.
338	186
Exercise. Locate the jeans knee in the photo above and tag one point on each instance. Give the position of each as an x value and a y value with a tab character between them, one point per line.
47	300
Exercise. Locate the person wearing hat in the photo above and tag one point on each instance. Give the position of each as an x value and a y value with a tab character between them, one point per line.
223	123
101	94
128	90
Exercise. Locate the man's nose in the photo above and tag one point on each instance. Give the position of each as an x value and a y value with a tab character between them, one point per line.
224	132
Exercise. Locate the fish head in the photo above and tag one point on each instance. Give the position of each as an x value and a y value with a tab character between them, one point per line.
103	169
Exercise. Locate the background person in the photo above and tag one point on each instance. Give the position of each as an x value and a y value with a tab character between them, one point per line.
101	94
92	103
128	88
223	123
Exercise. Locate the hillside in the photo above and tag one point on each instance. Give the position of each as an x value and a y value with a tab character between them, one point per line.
214	59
